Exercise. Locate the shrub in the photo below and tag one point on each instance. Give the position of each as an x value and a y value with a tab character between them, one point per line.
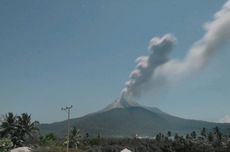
5	145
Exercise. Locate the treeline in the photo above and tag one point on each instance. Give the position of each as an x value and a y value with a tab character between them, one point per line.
20	130
203	141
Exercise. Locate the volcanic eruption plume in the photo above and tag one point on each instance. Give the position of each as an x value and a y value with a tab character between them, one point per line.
141	76
157	69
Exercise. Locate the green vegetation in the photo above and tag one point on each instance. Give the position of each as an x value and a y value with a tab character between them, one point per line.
18	131
75	137
192	142
5	144
49	140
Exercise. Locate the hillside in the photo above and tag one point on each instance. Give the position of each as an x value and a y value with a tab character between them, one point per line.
130	120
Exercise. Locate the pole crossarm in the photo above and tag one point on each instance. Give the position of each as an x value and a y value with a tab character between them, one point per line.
67	109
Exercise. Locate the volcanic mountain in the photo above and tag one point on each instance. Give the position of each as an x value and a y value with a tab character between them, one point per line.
125	118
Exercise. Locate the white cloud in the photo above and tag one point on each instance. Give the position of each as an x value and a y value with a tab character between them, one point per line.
225	119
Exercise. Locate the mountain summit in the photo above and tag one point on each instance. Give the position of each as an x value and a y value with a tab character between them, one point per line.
121	103
124	118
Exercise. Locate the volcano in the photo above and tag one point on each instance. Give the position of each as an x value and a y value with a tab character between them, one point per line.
121	103
124	118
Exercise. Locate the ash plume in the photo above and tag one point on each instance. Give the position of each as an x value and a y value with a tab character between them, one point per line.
140	77
217	34
157	69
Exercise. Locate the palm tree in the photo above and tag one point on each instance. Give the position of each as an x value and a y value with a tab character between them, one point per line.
203	133
17	127
158	137
176	137
25	126
8	125
193	135
218	134
187	136
9	129
74	137
169	133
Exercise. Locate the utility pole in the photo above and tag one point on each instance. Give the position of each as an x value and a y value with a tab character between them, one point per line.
67	110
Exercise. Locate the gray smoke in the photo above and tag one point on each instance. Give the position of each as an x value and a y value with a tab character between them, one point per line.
141	76
217	34
157	69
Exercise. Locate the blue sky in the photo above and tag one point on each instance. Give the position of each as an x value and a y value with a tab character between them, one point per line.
56	53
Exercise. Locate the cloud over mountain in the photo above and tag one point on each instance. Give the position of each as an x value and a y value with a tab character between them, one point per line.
157	69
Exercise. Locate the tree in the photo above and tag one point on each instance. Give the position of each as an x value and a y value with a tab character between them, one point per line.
87	135
216	130
8	125
187	136
169	133
74	139
228	132
17	127
203	132
193	135
176	136
25	126
49	139
9	129
218	134
158	137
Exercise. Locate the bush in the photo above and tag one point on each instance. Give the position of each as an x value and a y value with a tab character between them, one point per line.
49	139
94	141
5	145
